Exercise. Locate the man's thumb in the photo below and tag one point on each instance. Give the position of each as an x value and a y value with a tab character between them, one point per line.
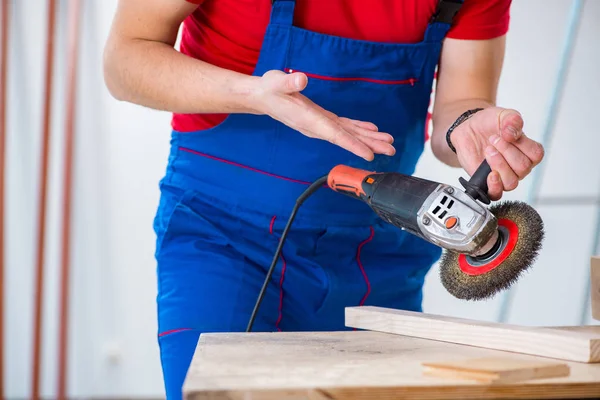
294	82
510	124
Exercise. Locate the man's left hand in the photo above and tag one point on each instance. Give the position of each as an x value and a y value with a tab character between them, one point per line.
497	134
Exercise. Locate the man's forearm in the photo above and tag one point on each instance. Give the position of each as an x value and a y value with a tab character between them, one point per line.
155	75
443	117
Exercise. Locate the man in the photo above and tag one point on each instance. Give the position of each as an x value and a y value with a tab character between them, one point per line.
266	97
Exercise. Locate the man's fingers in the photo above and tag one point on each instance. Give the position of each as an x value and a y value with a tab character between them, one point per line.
372	140
494	186
381	136
352	144
518	162
497	163
291	83
346	121
377	146
336	135
363	124
378	142
325	125
364	145
312	120
376	135
532	149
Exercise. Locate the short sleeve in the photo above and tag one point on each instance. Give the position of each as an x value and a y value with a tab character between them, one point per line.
481	19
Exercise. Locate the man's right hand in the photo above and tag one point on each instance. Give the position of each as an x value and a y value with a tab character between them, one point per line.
141	66
278	95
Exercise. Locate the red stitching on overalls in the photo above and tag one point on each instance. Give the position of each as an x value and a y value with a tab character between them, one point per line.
243	166
281	293
173	331
362	268
280	279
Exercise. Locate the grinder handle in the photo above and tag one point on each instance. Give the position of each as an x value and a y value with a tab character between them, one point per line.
477	186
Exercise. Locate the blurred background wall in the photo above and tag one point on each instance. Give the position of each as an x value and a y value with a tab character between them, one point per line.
121	152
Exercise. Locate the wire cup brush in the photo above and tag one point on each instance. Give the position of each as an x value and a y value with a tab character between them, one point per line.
512	249
486	249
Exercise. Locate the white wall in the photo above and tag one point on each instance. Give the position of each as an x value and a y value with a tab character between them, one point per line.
121	152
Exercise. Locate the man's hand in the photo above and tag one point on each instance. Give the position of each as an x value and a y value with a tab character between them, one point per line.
277	94
468	78
496	134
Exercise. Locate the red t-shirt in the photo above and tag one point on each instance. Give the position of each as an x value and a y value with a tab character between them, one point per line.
229	33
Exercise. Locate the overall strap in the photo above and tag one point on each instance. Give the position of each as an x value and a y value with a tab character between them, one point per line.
442	19
282	12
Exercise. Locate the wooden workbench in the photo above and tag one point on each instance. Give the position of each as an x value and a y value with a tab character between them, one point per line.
356	365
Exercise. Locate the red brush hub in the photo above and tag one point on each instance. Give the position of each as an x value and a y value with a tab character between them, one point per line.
513	235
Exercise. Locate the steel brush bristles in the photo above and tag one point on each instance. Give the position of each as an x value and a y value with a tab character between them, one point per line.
486	285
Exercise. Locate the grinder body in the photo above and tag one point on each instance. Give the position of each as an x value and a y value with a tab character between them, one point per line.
436	212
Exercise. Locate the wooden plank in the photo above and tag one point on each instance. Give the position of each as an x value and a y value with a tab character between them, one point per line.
555	343
581	328
595	287
496	369
356	365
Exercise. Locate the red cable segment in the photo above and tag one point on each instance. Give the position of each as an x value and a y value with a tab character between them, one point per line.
73	54
361	266
41	233
3	129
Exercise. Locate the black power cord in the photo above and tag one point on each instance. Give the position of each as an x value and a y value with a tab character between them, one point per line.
305	195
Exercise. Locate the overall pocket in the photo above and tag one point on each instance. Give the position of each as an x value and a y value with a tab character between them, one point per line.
179	220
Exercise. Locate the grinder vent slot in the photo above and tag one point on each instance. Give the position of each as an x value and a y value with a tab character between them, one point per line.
442	209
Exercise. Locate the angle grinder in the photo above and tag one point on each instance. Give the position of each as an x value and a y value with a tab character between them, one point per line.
486	249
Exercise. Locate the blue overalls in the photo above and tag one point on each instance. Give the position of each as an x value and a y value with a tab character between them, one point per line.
228	192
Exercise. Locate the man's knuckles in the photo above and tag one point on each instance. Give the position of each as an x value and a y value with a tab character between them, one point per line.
538	153
522	167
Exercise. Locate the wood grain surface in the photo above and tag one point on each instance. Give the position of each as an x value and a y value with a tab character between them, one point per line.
356	365
581	328
496	369
572	345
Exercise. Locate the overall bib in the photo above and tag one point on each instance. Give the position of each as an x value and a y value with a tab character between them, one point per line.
228	192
